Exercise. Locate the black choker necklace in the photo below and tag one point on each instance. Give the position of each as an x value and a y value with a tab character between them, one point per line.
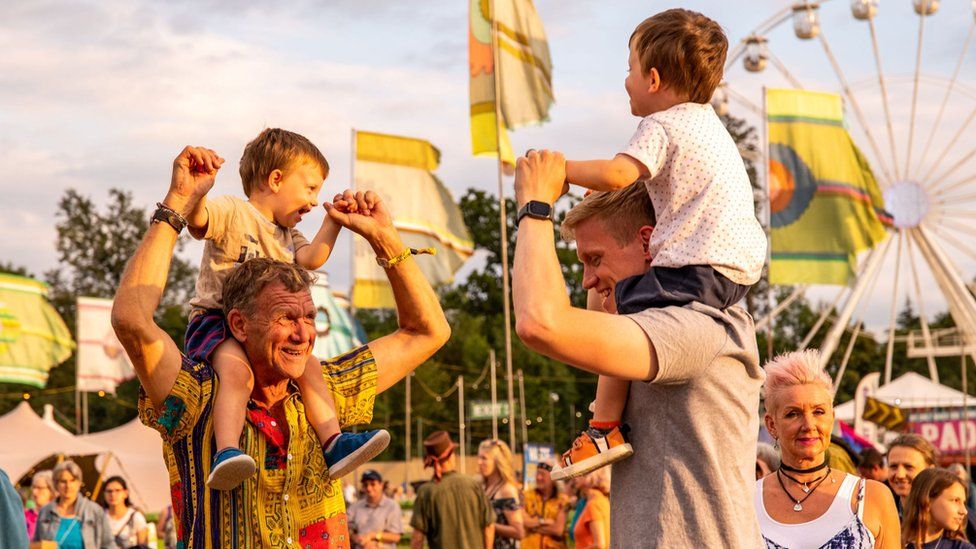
786	467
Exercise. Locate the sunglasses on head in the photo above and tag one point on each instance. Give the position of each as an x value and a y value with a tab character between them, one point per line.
545	466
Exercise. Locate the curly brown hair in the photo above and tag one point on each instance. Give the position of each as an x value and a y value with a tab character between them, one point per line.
687	48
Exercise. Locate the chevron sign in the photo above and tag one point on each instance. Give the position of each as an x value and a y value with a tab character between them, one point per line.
890	417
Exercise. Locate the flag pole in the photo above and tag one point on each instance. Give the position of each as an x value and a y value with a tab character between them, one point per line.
503	218
406	440
494	396
352	236
771	325
461	426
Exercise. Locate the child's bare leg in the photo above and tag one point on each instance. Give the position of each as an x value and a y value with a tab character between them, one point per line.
343	452
319	406
611	397
230	466
236	384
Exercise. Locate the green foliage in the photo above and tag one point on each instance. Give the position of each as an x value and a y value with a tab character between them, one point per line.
93	247
474	310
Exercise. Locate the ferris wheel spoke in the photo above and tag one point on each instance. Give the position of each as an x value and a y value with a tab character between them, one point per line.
865	280
923	320
955	199
890	352
847	354
822	318
945	99
942	190
748	103
855	105
884	90
918	68
962	305
958	244
786	72
935	183
962	162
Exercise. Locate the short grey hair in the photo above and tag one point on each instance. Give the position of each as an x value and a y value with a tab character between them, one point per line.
69	466
768	455
45	476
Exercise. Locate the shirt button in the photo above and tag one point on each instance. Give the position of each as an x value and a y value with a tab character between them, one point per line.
289	456
286	497
274	424
288	541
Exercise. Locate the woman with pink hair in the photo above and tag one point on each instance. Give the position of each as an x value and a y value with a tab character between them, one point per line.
804	503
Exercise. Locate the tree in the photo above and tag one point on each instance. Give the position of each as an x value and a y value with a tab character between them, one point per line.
93	247
474	310
8	267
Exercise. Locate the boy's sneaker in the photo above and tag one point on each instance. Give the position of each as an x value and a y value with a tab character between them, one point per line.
591	450
230	468
350	450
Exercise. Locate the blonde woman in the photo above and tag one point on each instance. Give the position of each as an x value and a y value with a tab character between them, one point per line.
804	504
592	530
498	475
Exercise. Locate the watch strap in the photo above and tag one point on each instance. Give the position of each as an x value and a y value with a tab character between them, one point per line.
526	210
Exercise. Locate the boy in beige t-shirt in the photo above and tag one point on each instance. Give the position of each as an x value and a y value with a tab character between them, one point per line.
282	173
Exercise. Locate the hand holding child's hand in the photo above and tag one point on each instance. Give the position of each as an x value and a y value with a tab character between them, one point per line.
540	175
363	212
194	173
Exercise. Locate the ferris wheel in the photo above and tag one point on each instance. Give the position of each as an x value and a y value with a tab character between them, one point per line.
910	107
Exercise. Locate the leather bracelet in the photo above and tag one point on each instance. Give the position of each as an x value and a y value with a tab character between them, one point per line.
394	261
173	218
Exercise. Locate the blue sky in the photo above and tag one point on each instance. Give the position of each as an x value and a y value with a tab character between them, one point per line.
103	94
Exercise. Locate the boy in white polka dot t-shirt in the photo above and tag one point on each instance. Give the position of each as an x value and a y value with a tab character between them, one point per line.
707	245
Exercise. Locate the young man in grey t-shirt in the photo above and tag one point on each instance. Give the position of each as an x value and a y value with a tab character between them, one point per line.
694	412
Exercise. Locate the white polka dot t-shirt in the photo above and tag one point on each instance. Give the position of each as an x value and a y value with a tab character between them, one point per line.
701	193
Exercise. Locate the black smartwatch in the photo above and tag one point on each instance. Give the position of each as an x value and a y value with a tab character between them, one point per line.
534	209
164	214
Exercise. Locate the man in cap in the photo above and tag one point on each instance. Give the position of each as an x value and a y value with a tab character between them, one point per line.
451	510
374	520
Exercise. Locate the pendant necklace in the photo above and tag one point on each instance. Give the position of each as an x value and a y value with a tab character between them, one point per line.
798	503
805	486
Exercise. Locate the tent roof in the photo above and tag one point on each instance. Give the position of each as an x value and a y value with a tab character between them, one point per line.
911	390
137	456
22	424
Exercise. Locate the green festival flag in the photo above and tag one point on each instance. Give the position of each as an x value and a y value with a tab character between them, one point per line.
33	338
824	201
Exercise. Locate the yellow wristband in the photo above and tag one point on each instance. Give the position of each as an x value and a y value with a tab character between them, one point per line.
392	262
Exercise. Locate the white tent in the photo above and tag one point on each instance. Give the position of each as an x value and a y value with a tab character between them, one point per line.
28	439
910	391
135	452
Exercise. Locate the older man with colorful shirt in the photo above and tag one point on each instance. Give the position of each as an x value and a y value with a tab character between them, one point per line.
292	501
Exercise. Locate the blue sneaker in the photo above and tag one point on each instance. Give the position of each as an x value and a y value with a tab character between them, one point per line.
350	450
230	468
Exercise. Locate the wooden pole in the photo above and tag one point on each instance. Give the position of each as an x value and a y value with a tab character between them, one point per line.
503	223
525	429
494	397
462	443
406	440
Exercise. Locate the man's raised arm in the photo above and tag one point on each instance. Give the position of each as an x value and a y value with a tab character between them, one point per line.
154	354
422	327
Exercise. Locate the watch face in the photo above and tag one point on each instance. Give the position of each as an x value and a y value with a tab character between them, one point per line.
539	209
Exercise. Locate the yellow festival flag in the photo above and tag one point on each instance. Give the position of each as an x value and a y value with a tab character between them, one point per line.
825	202
33	338
524	71
400	170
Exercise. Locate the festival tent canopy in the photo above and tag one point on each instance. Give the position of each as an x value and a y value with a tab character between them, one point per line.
28	439
135	453
910	391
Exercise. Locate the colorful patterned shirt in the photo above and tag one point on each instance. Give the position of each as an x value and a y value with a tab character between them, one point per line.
291	501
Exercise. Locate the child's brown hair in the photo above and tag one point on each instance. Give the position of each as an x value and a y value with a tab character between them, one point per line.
687	49
927	486
277	149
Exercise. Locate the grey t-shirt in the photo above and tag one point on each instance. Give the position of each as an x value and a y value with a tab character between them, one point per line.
691	480
364	518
